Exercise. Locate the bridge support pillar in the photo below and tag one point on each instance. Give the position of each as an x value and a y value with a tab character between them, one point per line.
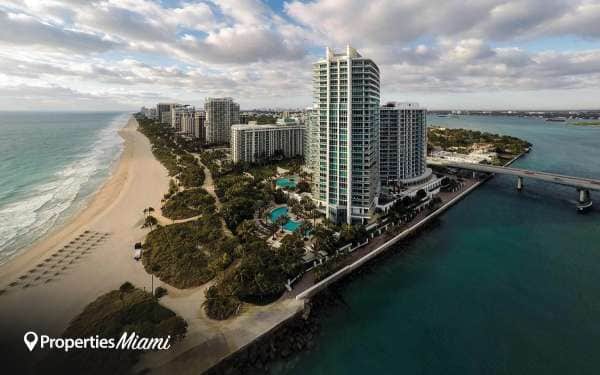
519	183
585	202
584	195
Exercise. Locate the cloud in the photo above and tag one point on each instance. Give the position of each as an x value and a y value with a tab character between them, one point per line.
134	51
241	45
471	65
393	22
22	29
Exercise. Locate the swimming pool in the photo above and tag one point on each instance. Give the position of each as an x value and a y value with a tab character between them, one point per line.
290	225
278	212
285	182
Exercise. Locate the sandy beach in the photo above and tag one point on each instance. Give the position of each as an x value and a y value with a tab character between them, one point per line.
52	281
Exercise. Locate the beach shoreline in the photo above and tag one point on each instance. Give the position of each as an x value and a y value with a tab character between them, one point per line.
55	234
51	282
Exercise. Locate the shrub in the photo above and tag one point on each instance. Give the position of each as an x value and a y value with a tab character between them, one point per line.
125	310
220	304
159	292
126	287
180	254
189	203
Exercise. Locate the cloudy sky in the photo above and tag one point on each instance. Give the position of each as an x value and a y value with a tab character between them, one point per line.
121	54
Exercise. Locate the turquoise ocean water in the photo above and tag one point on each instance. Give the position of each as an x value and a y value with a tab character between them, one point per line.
50	164
503	283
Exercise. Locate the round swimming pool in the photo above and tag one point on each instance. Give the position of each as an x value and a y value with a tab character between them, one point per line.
278	212
290	225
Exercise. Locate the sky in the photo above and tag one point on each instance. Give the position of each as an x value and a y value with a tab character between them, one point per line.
451	54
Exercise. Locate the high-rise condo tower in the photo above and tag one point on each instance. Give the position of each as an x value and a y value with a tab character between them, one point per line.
403	144
346	96
221	113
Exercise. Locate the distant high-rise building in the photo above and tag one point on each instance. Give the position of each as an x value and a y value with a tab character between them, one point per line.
244	118
199	130
311	147
252	143
192	123
187	121
403	144
177	111
148	112
346	96
221	113
162	108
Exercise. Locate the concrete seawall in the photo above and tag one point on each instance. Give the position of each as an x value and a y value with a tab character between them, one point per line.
310	292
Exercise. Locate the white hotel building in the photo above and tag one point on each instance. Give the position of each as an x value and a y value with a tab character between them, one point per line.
346	98
252	143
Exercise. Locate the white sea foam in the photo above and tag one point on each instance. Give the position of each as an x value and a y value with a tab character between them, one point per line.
46	204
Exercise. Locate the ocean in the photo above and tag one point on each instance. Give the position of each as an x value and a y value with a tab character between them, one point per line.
50	165
502	283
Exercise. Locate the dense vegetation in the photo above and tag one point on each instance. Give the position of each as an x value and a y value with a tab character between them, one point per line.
461	140
189	203
125	310
187	173
188	254
263	119
586	123
245	189
172	153
259	278
191	253
191	173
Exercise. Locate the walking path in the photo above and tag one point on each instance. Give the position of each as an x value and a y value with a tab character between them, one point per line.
209	186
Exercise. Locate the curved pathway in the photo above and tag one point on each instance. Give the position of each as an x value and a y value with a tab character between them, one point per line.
209	186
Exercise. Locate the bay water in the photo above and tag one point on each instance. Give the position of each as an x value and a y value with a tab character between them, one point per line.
502	283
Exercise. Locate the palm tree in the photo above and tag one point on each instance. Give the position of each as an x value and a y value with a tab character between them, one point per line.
280	221
304	229
307	205
314	213
150	221
246	230
323	240
347	233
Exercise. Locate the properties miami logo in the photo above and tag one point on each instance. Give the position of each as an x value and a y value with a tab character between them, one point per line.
127	341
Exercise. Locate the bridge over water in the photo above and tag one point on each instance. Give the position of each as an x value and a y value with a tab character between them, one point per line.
582	184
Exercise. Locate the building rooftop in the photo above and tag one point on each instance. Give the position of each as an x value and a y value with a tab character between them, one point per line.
401	105
264	126
331	55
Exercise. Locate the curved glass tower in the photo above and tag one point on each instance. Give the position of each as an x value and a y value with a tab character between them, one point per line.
346	98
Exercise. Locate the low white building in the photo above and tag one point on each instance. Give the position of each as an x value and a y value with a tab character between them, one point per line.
475	157
252	143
